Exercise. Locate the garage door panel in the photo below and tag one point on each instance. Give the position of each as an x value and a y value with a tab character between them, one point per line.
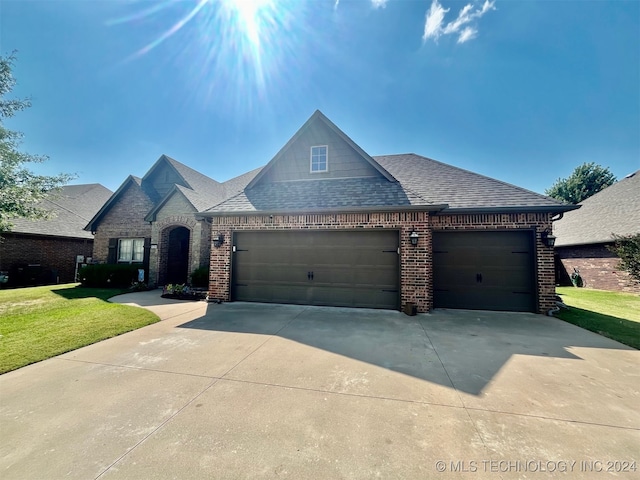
342	268
272	293
484	270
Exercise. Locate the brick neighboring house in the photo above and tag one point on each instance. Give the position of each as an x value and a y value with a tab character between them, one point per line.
583	236
44	251
151	221
324	223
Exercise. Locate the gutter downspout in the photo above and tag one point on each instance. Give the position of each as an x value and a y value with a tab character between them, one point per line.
559	304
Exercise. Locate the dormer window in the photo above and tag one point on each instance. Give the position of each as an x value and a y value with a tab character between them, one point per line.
319	159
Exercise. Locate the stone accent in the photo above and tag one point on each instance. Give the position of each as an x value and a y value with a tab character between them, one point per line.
177	212
597	266
416	273
160	236
512	221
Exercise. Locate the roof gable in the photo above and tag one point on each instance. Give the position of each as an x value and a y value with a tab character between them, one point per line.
421	183
614	210
177	193
161	177
199	190
95	220
345	158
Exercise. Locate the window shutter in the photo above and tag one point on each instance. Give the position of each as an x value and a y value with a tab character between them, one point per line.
147	253
112	256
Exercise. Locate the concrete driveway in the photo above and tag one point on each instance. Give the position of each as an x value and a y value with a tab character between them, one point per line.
277	391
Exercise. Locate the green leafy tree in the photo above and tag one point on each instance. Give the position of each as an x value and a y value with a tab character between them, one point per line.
586	180
628	249
20	188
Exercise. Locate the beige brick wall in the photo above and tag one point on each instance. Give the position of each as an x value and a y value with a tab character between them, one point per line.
176	212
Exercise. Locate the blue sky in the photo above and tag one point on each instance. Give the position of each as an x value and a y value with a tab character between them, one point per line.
522	91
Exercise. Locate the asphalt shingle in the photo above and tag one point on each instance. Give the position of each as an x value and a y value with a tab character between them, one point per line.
459	188
73	206
616	209
421	181
321	194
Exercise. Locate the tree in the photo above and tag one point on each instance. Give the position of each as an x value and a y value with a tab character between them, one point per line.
586	180
628	249
20	189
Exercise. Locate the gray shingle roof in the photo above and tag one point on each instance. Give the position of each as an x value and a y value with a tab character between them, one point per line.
616	209
204	192
421	182
460	189
73	207
320	194
197	181
237	184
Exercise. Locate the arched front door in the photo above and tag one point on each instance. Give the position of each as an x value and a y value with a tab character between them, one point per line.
177	259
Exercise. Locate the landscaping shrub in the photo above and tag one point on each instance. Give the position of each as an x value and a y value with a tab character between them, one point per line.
109	275
628	249
200	277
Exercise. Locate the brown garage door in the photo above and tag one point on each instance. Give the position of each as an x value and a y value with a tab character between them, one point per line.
484	270
346	268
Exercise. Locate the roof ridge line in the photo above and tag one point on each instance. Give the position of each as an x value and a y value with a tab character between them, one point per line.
65	208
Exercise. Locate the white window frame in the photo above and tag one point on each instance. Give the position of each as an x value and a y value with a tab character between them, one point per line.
134	255
317	155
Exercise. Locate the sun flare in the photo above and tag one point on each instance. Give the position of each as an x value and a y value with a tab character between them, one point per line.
230	45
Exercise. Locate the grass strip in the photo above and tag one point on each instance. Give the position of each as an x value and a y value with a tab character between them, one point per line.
614	315
41	322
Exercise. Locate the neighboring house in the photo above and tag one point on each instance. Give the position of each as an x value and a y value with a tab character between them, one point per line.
584	235
324	223
151	221
44	252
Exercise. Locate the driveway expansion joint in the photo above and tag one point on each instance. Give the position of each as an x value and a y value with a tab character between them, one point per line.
269	337
160	426
344	394
552	419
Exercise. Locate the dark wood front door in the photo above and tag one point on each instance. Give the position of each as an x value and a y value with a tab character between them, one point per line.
178	255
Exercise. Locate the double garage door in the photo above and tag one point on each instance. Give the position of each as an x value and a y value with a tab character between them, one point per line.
484	270
471	270
339	268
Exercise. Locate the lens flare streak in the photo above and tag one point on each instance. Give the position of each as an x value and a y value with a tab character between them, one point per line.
228	48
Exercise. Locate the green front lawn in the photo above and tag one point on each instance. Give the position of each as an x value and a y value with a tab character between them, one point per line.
611	314
41	322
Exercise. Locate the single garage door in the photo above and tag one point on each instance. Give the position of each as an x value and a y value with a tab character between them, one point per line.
484	270
344	268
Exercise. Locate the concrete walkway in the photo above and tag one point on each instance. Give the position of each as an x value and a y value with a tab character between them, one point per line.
279	391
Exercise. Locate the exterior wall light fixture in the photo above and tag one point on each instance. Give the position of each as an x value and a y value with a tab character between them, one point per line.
413	237
548	239
218	240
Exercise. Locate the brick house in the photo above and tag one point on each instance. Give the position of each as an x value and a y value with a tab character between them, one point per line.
151	221
583	236
324	223
44	252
